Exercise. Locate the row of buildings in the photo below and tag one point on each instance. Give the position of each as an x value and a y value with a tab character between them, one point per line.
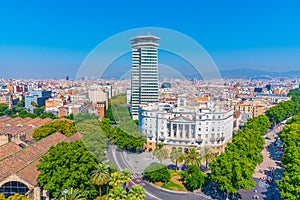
198	113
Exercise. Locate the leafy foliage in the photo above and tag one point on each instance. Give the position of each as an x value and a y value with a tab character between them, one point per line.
233	170
73	194
126	141
67	165
194	178
289	185
66	127
157	172
17	197
100	176
94	138
3	108
82	117
193	158
282	111
137	192
177	157
160	152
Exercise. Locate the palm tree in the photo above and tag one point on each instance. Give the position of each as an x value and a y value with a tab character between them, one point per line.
137	192
115	180
177	157
73	194
125	176
100	176
208	155
160	152
193	158
117	194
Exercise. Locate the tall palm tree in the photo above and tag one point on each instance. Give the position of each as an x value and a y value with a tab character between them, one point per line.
100	176
125	176
160	152
137	192
177	157
117	194
208	155
193	158
73	194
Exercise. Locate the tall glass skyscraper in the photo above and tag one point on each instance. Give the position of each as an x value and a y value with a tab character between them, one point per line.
144	76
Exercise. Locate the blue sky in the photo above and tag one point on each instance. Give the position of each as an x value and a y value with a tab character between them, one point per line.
50	39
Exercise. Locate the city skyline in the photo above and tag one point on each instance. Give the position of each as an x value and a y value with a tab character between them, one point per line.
51	40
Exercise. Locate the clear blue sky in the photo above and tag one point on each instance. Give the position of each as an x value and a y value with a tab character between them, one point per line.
50	39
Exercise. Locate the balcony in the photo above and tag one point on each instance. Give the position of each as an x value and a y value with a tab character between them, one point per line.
222	138
213	139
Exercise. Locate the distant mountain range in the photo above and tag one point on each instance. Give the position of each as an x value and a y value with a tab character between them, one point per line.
258	74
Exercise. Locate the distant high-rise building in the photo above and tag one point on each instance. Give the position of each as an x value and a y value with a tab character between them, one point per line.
67	78
144	76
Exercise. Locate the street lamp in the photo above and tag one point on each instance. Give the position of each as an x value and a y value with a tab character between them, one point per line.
65	193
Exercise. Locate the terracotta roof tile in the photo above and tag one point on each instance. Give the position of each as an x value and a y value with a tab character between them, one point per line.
24	157
8	149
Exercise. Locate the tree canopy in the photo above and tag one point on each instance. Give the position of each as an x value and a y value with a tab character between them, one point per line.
66	127
289	185
233	169
157	172
67	165
193	178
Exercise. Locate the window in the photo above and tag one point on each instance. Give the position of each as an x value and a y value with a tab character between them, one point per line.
206	135
10	188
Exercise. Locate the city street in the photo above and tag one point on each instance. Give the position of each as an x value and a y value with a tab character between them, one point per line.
152	192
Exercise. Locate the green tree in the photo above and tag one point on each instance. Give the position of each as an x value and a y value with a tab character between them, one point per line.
157	172
208	155
137	192
177	157
160	152
65	166
66	127
73	194
117	193
125	176
193	178
109	112
289	185
3	109
193	158
100	176
115	180
106	126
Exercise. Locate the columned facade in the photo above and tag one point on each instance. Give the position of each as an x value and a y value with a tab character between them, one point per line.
186	127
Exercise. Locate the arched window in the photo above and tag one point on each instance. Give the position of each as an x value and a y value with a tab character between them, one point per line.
10	188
